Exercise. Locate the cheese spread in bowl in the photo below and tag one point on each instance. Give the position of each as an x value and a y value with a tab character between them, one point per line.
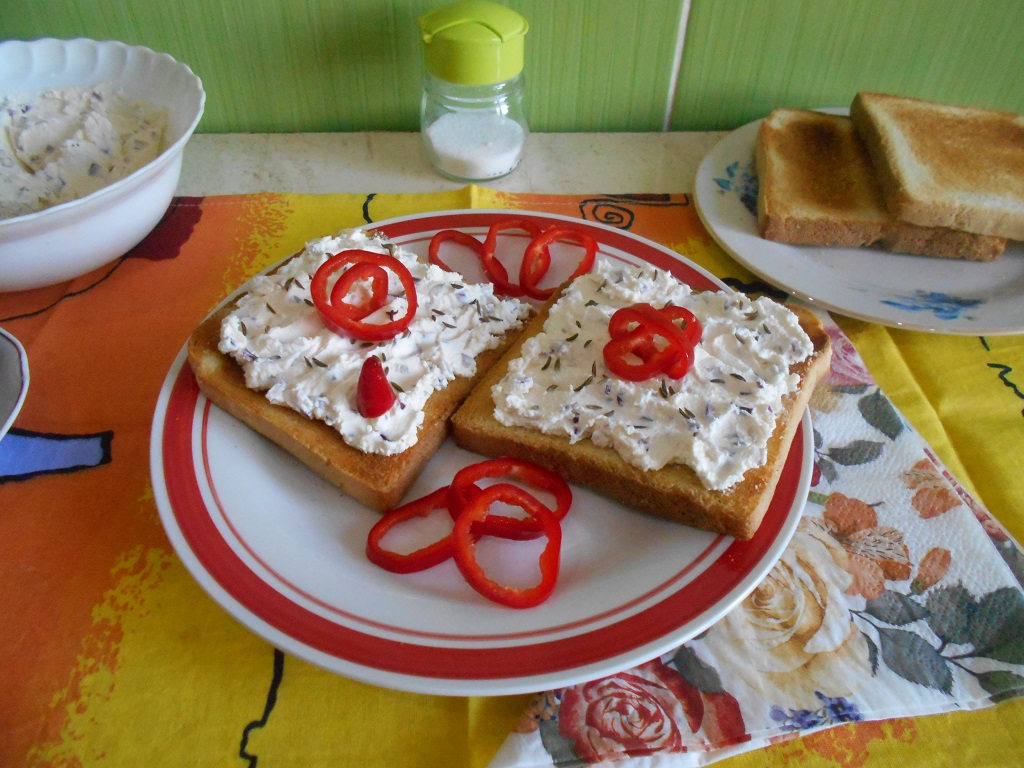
93	139
63	144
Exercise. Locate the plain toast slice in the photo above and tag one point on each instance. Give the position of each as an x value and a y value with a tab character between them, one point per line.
817	186
942	165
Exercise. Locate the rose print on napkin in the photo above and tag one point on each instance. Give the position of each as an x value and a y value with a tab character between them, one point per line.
652	708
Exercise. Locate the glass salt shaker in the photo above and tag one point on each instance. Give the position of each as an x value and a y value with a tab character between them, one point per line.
472	118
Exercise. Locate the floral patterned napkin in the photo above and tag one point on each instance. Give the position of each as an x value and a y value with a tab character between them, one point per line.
898	596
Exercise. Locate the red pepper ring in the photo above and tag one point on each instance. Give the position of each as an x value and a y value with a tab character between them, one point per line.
421	559
458	236
378	278
464	541
339	318
638	342
690	335
683	363
464	488
644	314
537	258
634	331
494	268
692	328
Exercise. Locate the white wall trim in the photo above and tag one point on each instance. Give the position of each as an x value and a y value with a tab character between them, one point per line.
677	62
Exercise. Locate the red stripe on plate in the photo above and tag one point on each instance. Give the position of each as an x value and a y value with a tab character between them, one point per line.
227	569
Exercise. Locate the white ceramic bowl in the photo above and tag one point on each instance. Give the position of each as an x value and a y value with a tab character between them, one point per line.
70	239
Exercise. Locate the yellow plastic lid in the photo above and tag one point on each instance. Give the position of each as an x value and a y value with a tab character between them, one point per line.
473	42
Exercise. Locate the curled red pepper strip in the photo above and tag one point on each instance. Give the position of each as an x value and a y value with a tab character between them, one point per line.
692	329
639	344
345	320
458	236
494	268
464	540
634	331
378	278
421	559
464	488
537	258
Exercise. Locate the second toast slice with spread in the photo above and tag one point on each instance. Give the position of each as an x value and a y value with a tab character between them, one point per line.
705	449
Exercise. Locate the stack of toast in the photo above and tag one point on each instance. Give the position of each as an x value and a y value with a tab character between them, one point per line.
467	406
902	174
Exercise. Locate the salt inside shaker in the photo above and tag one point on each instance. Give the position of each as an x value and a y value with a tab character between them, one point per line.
472	119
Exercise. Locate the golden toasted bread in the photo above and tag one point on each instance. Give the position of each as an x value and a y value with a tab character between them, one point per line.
379	482
941	165
817	186
375	480
675	491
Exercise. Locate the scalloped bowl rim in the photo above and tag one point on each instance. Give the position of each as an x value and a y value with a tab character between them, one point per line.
67	78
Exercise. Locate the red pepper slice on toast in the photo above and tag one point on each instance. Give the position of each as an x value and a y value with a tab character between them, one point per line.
634	356
347	319
634	352
378	279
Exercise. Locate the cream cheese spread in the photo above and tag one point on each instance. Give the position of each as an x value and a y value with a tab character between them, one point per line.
61	145
717	418
277	337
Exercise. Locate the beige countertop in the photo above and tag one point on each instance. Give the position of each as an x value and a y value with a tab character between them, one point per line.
619	163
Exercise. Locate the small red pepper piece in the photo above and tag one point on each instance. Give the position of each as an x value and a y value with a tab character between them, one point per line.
422	558
464	541
374	394
342	317
464	488
691	328
537	258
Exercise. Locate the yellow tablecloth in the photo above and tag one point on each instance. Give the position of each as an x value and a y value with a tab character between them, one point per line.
113	655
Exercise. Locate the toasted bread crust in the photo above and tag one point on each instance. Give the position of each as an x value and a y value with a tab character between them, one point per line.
378	482
946	166
817	186
673	492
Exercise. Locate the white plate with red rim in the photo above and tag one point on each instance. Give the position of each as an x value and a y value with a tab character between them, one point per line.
898	290
283	551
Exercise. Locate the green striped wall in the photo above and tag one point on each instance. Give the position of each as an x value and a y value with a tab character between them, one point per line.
592	65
